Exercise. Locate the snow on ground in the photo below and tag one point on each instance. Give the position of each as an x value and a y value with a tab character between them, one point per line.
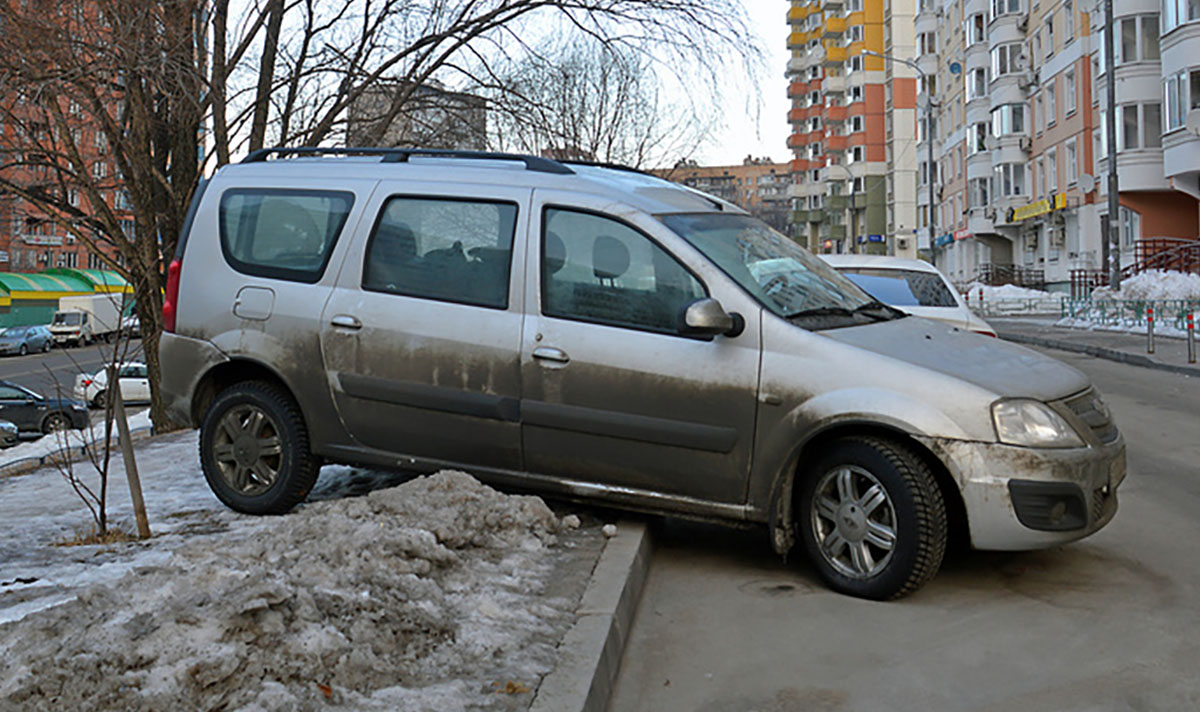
1154	284
433	594
976	290
69	438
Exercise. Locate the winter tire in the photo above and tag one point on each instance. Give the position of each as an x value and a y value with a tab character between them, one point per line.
46	347
55	422
100	400
254	449
24	350
872	518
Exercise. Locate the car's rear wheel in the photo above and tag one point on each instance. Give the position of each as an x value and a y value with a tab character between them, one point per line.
46	346
254	449
55	422
101	399
872	518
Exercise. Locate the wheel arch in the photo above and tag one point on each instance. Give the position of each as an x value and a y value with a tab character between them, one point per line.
783	493
229	373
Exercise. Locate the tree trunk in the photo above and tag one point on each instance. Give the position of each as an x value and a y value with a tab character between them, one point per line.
266	76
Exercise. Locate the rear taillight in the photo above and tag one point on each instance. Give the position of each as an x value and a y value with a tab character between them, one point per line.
87	382
986	333
171	299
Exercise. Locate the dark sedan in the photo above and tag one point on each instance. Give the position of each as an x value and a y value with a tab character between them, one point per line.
25	339
32	412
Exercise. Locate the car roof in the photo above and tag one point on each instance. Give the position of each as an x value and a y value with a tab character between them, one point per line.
879	262
643	191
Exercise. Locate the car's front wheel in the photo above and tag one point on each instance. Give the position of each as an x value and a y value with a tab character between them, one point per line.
55	422
872	518
254	449
24	350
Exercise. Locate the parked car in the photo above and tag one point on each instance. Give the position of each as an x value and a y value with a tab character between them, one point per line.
32	412
25	339
132	380
596	332
131	326
9	434
912	286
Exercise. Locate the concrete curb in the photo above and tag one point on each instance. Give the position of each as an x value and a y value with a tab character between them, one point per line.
71	453
590	653
1100	352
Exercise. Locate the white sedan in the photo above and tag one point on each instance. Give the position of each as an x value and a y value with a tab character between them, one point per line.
133	381
912	286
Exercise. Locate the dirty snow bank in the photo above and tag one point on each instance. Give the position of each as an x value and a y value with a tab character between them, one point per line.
1154	284
428	595
975	290
53	442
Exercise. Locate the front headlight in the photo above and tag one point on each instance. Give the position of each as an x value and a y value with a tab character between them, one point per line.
1032	423
79	406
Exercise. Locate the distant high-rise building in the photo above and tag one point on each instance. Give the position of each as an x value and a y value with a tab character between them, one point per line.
758	185
853	120
432	117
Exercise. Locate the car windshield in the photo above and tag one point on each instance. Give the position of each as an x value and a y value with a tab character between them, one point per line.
902	287
782	275
68	318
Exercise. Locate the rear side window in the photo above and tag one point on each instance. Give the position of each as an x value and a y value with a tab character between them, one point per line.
902	287
282	234
449	250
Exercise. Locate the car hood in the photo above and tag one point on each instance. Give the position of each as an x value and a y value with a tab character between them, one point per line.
11	340
1003	368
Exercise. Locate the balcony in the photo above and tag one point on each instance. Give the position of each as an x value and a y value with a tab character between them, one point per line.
835	55
797	88
834	27
796	140
798	165
835	113
797	115
797	14
836	143
796	40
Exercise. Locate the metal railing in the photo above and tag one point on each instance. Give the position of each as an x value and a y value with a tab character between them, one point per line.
1131	313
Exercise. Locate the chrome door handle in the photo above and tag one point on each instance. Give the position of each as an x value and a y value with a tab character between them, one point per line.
345	321
549	353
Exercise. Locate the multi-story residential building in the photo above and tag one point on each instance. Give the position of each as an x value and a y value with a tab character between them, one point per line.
853	120
434	117
1020	156
758	185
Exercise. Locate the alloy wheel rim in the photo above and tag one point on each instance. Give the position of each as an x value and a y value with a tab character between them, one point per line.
248	450
853	522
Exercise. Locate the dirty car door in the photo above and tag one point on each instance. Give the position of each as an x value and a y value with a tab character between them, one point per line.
614	395
421	337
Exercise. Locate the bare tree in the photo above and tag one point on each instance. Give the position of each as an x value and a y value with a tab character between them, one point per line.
589	100
107	101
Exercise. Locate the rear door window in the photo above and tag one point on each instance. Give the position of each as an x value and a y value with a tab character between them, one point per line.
902	287
446	249
282	234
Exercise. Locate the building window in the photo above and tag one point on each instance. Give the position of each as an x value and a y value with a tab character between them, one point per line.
1138	40
1139	126
1175	91
1049	26
1070	99
1007	59
1072	160
856	63
1068	21
1131	226
1039	176
1039	114
1008	119
856	154
856	124
1152	124
977	139
1051	104
1051	170
99	170
856	94
1010	180
976	29
1005	7
976	83
1178	12
927	43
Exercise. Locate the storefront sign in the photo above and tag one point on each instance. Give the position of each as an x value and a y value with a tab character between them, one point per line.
1056	202
943	240
962	234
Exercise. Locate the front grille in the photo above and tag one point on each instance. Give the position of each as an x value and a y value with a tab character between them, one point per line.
1089	408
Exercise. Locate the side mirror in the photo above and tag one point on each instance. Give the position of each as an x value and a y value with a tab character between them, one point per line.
707	317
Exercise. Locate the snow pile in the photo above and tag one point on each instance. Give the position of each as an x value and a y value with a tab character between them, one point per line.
428	595
977	290
53	442
1156	285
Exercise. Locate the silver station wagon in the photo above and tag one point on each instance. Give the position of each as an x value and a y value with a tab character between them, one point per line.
593	332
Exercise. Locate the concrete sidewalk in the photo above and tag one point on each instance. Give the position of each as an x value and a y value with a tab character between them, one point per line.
1170	354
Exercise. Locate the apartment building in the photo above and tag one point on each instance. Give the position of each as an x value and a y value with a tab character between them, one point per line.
1020	160
853	118
759	185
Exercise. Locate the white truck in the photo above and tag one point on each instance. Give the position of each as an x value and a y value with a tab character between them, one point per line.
82	320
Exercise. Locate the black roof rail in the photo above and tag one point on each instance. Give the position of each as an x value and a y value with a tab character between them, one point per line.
401	155
613	166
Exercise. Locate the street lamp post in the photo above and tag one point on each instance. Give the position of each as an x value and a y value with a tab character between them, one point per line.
1110	130
929	106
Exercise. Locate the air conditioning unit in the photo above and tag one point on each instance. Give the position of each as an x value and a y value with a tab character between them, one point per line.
1026	143
902	243
1023	23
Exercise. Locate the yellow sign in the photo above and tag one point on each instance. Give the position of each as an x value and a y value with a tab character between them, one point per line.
1041	207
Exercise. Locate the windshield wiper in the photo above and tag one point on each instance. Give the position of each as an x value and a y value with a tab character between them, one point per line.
820	311
892	312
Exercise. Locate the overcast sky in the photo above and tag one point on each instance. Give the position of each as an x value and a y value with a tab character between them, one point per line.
765	134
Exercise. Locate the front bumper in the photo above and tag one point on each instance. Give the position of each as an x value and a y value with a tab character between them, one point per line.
1061	494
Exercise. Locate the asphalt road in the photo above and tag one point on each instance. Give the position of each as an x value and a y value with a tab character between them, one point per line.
1108	623
45	373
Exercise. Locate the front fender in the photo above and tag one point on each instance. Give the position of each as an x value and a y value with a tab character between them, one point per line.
783	436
